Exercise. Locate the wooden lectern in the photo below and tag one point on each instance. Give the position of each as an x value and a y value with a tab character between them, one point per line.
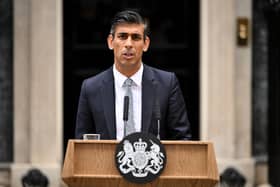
91	163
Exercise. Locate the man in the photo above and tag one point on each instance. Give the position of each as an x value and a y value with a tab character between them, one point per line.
101	104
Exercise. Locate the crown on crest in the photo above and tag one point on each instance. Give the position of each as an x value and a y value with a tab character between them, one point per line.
140	146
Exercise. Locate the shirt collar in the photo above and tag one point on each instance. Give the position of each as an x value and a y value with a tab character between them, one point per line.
120	78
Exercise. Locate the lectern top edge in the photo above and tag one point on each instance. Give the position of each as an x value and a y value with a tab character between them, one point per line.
95	141
163	141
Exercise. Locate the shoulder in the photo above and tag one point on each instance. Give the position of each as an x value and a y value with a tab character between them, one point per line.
98	79
159	74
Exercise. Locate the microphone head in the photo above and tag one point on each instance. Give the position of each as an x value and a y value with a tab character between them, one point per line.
125	108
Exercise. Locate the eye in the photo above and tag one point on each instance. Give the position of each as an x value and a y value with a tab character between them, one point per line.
136	37
122	36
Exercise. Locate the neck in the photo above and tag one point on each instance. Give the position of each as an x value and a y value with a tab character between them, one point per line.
128	71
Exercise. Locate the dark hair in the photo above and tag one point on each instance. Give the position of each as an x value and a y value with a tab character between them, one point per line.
129	17
34	177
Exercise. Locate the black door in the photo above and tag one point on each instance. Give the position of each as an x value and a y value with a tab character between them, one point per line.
273	17
174	47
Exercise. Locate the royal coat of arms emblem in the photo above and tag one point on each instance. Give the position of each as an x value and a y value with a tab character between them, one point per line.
140	157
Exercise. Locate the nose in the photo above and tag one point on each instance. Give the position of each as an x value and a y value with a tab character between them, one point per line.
128	42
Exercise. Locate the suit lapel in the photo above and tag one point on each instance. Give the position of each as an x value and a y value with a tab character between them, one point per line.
148	97
108	100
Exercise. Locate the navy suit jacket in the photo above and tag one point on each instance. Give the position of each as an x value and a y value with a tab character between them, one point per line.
96	109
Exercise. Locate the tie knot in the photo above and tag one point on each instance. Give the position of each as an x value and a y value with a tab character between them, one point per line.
128	82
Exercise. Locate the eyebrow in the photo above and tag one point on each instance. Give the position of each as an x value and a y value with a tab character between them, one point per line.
134	36
126	33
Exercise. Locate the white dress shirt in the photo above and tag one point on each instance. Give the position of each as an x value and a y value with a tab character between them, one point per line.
119	97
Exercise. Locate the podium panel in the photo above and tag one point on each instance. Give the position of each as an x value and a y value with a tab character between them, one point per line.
90	163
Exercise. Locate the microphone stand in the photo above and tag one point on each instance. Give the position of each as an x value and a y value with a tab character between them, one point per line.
158	128
157	116
125	113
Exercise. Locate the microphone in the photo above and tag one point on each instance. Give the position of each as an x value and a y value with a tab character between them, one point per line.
157	116
125	111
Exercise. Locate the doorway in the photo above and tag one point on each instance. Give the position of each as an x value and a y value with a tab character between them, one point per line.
174	47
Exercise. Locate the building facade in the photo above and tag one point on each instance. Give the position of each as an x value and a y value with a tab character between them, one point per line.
36	90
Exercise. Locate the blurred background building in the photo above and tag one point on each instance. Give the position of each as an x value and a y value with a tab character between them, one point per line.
224	52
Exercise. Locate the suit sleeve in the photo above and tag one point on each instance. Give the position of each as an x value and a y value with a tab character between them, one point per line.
177	118
84	119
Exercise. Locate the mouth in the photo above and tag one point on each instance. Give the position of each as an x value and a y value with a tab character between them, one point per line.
128	55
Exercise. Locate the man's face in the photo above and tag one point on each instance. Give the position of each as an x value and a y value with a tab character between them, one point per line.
128	44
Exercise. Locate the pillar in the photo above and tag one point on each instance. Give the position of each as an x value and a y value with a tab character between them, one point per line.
37	89
226	85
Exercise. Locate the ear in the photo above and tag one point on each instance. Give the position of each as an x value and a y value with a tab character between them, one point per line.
110	41
146	44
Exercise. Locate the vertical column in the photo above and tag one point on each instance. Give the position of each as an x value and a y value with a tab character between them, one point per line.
38	86
243	86
21	81
226	86
46	82
243	94
217	75
21	91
